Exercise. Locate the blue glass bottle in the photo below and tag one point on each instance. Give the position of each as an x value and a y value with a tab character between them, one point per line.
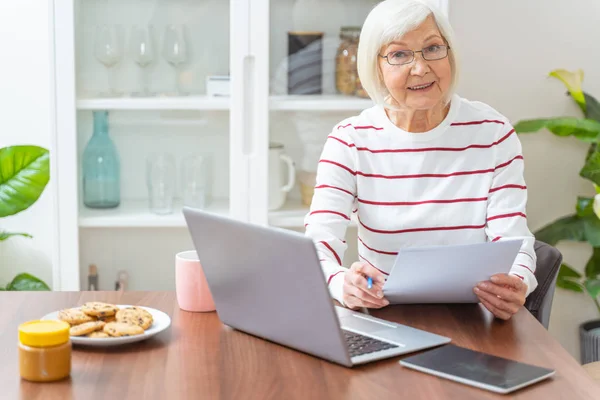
101	167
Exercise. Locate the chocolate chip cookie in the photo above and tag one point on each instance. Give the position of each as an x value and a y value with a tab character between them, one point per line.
98	309
85	328
98	335
74	316
135	315
118	329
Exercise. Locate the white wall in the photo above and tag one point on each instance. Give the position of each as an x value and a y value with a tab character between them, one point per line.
508	48
25	119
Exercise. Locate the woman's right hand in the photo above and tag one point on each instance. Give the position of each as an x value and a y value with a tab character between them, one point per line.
356	293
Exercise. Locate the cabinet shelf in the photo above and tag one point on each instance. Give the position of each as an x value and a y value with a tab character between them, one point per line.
279	103
136	214
155	103
319	103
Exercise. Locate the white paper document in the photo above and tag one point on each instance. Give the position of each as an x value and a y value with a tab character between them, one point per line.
447	274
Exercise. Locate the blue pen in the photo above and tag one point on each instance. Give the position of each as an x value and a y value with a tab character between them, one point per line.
369	282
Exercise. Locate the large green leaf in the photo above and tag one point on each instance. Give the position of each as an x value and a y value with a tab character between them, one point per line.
591	168
567	279
24	173
6	235
585	206
27	282
587	130
572	81
592	268
592	107
593	287
566	228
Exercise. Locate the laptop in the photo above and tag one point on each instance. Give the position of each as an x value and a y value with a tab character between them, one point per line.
268	282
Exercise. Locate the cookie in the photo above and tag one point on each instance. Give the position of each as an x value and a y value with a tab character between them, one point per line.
98	309
74	316
85	328
135	315
107	319
118	329
98	335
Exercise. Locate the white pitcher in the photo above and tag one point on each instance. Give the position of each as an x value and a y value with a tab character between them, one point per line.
277	189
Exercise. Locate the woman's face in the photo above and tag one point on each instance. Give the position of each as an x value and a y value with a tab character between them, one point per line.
421	84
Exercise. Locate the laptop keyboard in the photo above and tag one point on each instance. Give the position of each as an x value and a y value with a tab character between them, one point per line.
359	344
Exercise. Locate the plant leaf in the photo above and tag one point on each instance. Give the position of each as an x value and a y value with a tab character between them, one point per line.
27	282
592	268
593	287
587	130
592	107
566	228
567	279
568	272
24	173
585	206
572	81
6	235
591	168
591	226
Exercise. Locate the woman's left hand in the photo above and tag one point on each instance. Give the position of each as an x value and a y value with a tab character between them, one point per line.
503	295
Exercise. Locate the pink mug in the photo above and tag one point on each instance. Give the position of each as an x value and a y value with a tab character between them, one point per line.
191	287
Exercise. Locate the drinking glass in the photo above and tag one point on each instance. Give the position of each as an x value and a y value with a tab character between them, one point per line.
107	51
160	169
193	181
175	51
143	53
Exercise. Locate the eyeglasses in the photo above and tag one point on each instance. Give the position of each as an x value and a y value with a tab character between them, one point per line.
431	53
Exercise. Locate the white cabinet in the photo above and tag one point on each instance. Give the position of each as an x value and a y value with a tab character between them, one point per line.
244	39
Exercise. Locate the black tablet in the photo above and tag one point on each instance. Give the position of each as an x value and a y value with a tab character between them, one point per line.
478	369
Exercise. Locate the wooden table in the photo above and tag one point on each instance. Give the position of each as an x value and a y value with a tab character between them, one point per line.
200	358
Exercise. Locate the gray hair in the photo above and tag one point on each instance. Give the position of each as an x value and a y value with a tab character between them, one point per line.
388	21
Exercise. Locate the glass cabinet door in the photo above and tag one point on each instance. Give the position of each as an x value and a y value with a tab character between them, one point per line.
152	107
313	85
310	90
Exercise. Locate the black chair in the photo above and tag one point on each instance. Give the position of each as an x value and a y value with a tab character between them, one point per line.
539	302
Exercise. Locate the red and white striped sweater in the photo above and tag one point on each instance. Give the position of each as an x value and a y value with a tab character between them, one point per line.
460	183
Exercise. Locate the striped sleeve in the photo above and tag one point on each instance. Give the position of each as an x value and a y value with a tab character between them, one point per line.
331	207
506	208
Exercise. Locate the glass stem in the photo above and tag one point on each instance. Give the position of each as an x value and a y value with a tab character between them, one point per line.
177	80
112	80
145	81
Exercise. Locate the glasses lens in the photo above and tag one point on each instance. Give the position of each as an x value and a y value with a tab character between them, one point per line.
400	57
435	52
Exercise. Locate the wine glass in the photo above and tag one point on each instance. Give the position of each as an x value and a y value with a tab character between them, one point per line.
108	52
142	50
175	51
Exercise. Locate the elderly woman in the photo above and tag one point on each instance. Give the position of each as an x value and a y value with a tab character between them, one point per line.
422	167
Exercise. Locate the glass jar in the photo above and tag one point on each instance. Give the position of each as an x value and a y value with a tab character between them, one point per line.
44	350
345	60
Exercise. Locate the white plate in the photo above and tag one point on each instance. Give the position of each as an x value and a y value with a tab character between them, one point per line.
161	322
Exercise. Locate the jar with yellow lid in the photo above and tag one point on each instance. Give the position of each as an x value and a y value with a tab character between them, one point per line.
44	350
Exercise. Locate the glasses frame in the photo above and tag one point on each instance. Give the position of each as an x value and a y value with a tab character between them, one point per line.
413	55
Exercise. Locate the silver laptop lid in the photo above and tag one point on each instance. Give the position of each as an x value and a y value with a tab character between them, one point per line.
268	282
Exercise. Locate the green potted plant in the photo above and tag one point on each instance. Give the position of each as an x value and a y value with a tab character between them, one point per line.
24	173
583	225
